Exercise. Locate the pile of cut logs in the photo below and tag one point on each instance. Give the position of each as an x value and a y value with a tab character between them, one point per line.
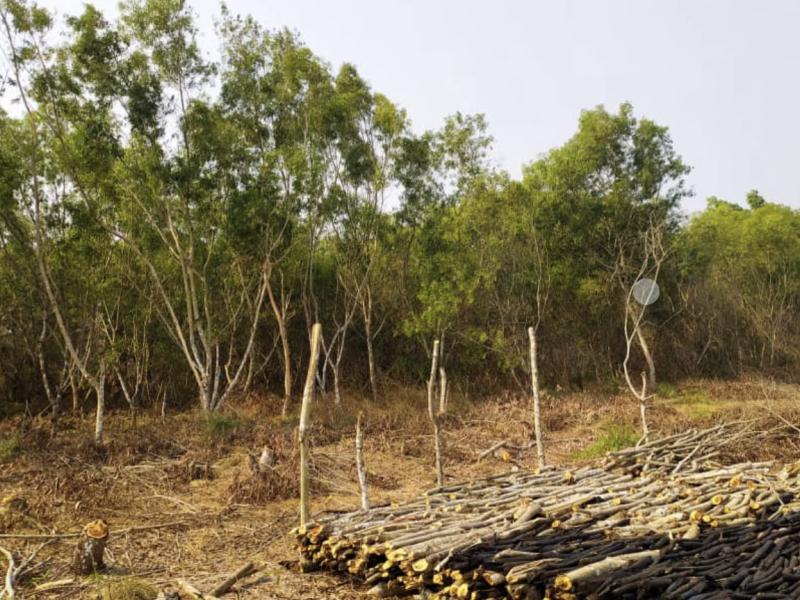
660	520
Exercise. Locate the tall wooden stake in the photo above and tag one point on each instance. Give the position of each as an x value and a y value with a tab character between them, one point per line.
360	466
305	411
433	413
537	418
643	408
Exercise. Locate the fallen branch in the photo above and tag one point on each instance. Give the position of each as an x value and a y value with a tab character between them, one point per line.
190	592
226	585
491	450
8	590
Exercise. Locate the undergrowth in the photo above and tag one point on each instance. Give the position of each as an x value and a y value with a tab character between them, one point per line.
10	446
614	437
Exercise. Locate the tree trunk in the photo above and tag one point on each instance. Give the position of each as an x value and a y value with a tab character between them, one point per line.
73	386
373	378
99	422
287	367
305	413
537	419
360	466
280	317
337	392
648	357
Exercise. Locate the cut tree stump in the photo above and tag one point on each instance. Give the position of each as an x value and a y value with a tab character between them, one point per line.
88	557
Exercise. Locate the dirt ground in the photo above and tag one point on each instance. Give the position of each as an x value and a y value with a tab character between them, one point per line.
183	502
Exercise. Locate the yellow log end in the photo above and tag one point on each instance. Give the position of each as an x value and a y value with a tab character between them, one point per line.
419	566
563	583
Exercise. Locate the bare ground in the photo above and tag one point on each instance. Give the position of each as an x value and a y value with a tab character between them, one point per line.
182	502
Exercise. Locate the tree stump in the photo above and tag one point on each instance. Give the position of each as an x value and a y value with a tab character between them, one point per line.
88	557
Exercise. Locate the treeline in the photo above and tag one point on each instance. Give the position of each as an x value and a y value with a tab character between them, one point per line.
171	227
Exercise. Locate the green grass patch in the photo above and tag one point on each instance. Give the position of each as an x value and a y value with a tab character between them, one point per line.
10	446
219	426
666	390
696	404
614	437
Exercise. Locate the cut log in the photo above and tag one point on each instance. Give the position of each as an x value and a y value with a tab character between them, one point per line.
626	526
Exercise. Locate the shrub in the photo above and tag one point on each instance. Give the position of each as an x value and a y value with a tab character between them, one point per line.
219	426
10	446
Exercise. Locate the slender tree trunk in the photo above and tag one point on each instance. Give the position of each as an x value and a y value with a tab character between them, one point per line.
373	378
287	369
280	317
537	419
337	392
434	415
360	465
648	357
73	386
305	414
248	380
99	423
643	408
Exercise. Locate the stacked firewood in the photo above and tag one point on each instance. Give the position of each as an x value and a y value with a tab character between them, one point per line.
660	520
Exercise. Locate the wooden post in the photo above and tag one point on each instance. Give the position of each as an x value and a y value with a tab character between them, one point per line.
305	411
432	381
434	414
360	466
537	418
442	391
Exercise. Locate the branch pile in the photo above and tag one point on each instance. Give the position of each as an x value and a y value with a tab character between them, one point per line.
661	520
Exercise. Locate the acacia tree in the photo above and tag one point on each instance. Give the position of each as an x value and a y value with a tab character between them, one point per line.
438	170
67	156
741	270
595	196
368	129
280	97
182	207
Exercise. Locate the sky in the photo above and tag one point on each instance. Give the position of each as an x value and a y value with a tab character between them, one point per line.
723	75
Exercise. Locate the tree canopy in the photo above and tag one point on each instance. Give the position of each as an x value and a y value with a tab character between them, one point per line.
173	225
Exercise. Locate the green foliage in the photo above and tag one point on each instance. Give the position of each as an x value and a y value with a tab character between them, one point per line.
219	426
172	226
10	446
666	390
612	438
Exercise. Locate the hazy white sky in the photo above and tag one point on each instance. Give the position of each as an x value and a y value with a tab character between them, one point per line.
724	75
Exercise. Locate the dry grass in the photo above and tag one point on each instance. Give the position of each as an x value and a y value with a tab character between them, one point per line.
218	520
